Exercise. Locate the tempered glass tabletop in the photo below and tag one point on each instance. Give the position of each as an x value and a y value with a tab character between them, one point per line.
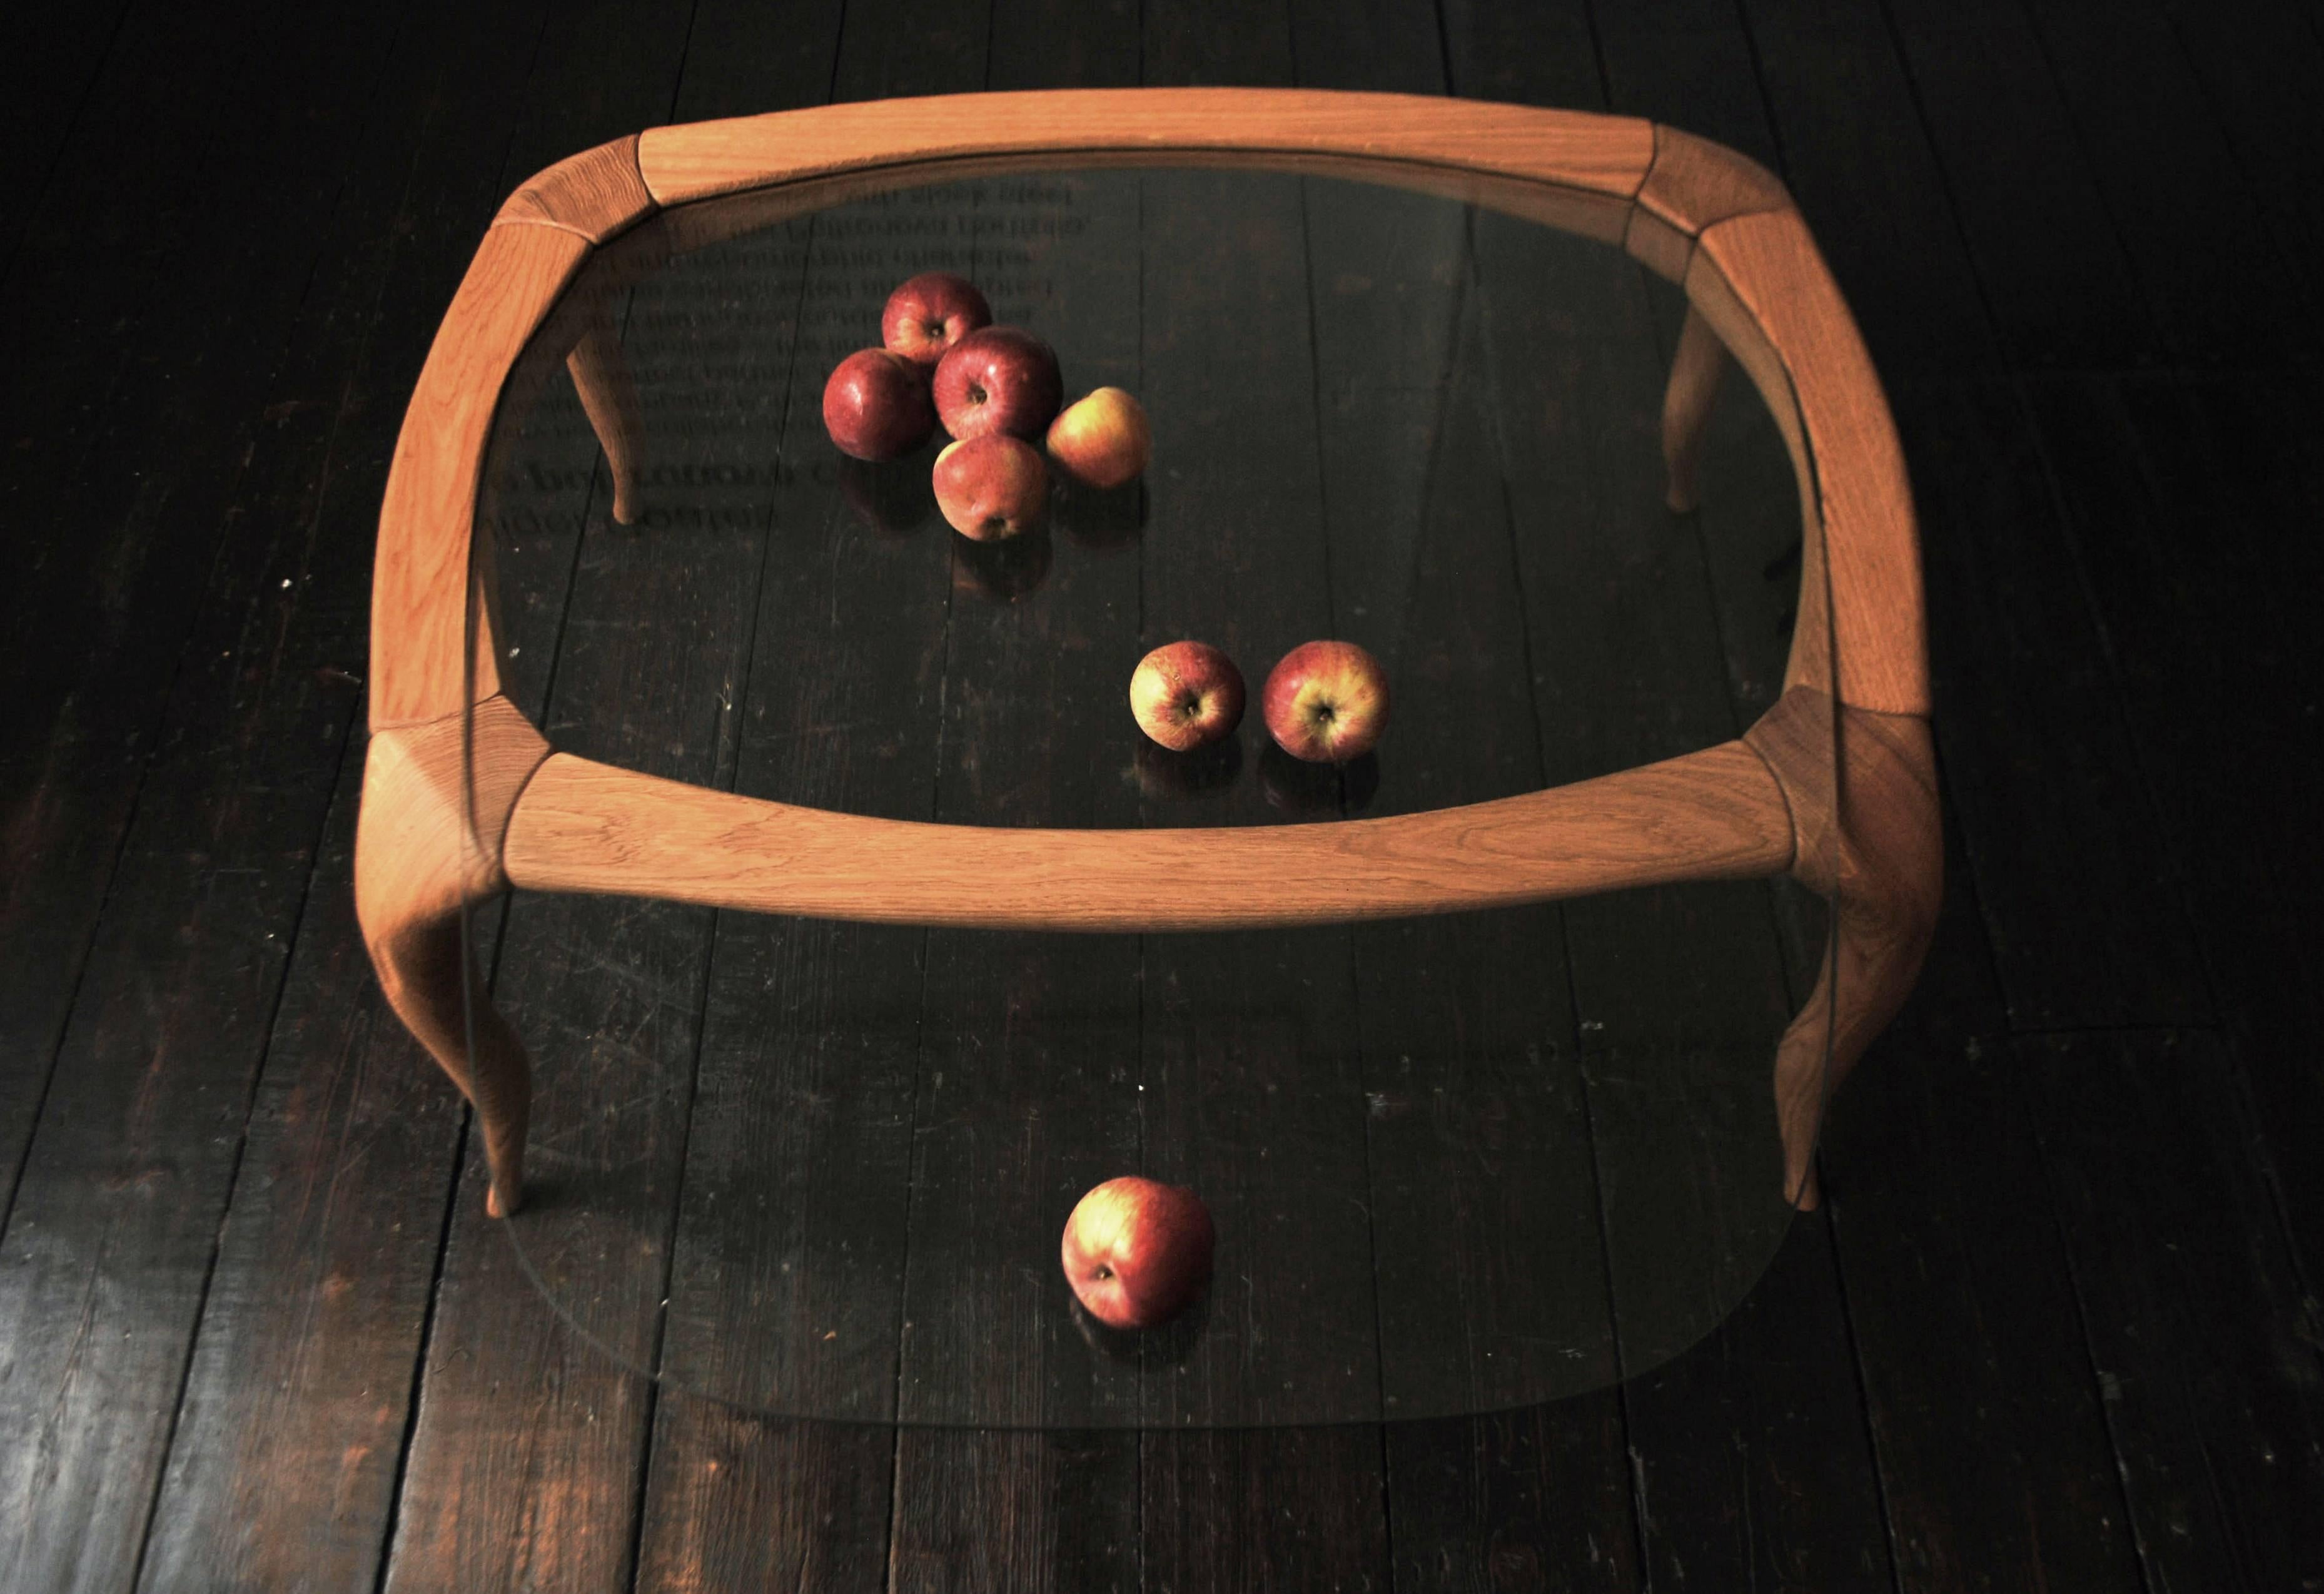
1455	1163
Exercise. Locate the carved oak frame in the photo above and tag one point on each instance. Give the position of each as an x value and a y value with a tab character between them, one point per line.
463	798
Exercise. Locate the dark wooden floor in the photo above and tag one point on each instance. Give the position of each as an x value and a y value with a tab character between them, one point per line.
2056	1327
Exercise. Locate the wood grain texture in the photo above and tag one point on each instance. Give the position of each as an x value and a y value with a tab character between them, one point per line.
593	195
1864	503
436	799
1711	298
609	394
1661	248
1608	155
1873	848
1696	367
588	826
1695	183
420	585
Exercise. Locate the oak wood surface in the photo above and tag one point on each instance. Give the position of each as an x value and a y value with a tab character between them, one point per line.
1864	504
1462	1043
422	669
609	393
1695	183
582	826
593	195
1750	1461
1608	155
1697	365
523	1453
1868	843
1945	1253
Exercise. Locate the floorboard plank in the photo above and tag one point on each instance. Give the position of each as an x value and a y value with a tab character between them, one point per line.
2046	252
124	1186
2024	685
1295	1507
1463	1045
45	84
1029	1079
2257	62
806	1012
294	1422
2145	469
2218	280
1854	148
2205	1344
527	1447
1997	1468
1717	1435
99	612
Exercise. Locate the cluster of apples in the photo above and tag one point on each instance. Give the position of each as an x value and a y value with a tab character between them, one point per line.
996	390
1324	702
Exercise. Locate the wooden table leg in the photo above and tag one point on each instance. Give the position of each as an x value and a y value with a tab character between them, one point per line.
428	843
1874	849
609	394
1695	370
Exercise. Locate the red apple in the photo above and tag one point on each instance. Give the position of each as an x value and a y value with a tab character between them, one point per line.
992	487
998	379
876	406
1326	701
1102	440
1186	695
1136	1252
931	312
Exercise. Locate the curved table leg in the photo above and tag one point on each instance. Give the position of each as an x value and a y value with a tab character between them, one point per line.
1696	367
609	397
427	843
1875	850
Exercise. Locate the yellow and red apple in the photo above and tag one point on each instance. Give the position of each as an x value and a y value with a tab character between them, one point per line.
1137	1251
1102	440
1186	695
1326	703
928	313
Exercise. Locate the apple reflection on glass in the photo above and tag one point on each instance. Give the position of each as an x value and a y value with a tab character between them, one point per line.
1164	773
1301	790
1002	571
1163	1345
1101	444
1102	520
892	497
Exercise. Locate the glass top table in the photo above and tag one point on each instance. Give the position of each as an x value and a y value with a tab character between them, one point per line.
856	929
